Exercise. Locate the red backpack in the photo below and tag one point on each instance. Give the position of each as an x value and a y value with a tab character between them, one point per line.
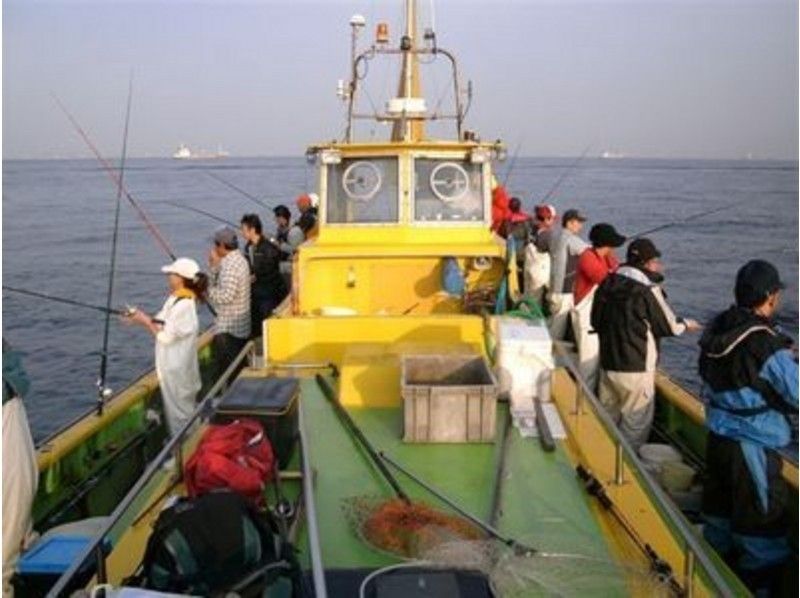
237	455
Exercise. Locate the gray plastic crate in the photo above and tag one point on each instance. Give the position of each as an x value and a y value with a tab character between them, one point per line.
448	398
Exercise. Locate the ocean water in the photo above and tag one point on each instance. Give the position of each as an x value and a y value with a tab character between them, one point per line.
58	218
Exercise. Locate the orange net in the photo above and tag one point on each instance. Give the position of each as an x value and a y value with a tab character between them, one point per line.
405	529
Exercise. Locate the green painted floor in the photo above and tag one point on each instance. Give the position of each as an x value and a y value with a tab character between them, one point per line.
543	504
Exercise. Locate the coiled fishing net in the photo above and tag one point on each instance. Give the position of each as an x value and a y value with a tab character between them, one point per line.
419	532
406	530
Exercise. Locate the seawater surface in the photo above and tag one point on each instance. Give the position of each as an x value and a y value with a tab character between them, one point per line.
58	217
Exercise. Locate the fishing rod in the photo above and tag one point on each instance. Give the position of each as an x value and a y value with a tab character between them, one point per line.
327	390
658	565
512	164
106	310
690	218
117	180
239	190
102	390
489	529
203	212
568	170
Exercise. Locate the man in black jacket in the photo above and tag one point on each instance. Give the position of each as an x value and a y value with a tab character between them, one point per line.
630	315
751	385
268	287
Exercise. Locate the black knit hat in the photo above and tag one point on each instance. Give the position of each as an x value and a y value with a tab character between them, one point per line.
756	281
605	235
641	251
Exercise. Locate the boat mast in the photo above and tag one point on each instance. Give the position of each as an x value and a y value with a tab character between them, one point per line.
407	129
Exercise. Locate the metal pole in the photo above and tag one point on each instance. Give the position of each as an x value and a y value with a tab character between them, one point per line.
688	573
353	82
317	568
102	575
619	465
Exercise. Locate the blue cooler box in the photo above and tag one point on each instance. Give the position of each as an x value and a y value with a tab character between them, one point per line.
40	567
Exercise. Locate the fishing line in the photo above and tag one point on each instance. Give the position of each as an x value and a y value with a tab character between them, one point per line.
141	272
102	390
239	190
513	163
690	218
202	212
117	180
73	302
568	170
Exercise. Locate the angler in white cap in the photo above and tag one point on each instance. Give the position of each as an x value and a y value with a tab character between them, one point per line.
176	328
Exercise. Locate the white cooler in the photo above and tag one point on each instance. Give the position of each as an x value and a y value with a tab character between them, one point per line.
524	362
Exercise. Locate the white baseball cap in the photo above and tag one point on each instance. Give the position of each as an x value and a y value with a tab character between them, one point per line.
184	267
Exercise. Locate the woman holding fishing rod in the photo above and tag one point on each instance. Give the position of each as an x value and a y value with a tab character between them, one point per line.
176	328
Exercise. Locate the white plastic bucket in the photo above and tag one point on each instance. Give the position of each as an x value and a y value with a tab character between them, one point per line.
654	456
676	476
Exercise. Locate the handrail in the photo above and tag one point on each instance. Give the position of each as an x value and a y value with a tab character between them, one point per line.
96	548
693	549
317	567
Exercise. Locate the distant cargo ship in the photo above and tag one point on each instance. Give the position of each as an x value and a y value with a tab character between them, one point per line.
184	153
610	154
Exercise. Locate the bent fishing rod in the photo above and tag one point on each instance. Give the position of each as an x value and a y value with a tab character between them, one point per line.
102	389
117	180
106	310
239	190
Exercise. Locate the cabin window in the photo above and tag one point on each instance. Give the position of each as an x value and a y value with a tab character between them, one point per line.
363	190
448	190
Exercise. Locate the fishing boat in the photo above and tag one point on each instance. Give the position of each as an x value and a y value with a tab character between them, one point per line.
396	402
185	153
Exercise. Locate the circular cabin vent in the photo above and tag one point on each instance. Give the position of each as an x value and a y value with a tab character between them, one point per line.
361	180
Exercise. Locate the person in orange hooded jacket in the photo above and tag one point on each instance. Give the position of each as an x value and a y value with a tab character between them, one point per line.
500	209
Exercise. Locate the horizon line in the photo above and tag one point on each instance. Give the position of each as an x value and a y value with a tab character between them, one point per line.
302	157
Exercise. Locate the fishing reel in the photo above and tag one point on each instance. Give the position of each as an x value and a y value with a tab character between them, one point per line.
103	392
283	511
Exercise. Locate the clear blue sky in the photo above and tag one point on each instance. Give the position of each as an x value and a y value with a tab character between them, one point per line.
673	78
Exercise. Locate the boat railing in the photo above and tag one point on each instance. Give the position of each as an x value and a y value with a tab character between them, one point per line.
123	514
138	380
694	551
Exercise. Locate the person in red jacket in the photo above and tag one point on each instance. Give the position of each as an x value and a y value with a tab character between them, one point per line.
500	210
594	264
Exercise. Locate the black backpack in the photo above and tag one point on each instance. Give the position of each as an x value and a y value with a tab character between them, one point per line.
211	544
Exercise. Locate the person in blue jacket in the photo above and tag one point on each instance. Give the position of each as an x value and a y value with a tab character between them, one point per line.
749	370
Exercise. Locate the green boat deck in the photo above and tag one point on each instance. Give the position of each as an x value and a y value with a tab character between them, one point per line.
542	501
